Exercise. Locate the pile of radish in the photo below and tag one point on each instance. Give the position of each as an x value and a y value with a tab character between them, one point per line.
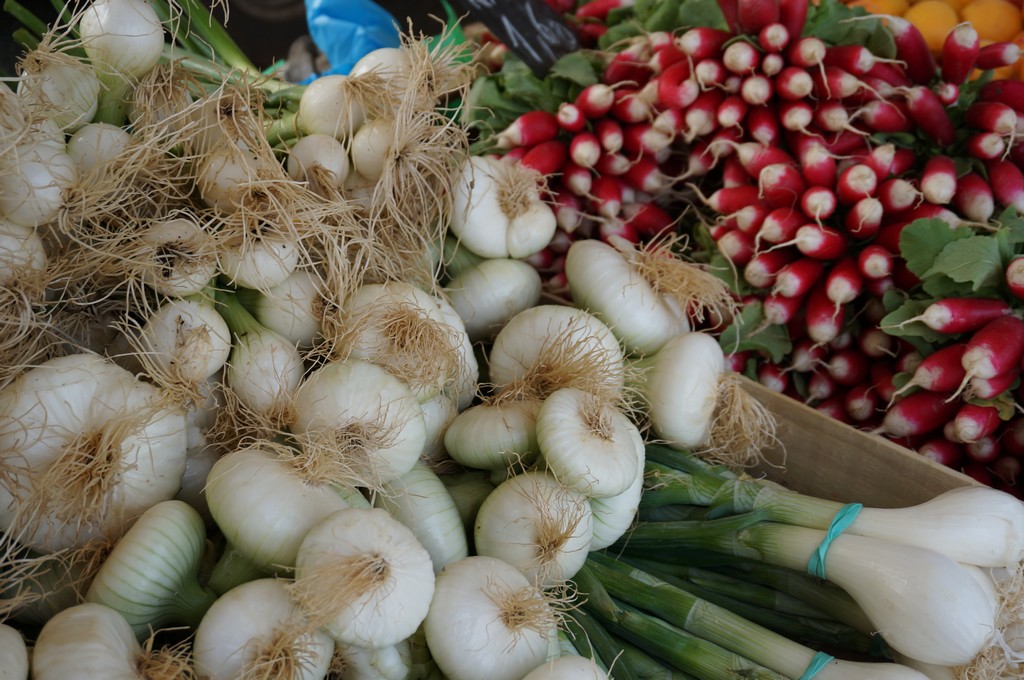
281	394
842	192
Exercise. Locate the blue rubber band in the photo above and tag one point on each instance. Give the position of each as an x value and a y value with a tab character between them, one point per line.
820	660
842	519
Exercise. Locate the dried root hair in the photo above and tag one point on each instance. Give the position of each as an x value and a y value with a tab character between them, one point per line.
742	427
289	652
561	511
696	291
440	70
237	426
1000	659
336	582
530	608
162	104
400	336
35	587
568	359
172	662
23	329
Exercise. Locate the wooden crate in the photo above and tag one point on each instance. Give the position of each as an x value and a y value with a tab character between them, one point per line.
821	456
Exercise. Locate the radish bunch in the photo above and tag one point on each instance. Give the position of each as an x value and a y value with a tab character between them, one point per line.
807	160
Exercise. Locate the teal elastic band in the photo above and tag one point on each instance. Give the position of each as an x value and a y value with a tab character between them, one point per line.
820	660
842	519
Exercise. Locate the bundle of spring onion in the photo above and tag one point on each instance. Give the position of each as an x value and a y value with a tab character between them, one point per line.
273	405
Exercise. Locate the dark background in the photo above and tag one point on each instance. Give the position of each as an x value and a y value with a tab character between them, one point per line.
264	29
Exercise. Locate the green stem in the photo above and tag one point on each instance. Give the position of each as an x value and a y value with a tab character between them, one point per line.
202	22
26	18
727	535
236	316
699	617
179	30
284	129
594	642
701	658
24	37
671	513
113	104
687	462
646	666
233	569
191	603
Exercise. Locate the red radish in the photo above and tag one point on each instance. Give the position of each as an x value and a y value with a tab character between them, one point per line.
585	149
974	422
990	388
902	160
732	83
847	142
761	270
737	247
529	129
919	413
875	343
995	348
780	226
912	49
948	93
806	52
741	58
647	218
701	160
664	57
642	138
974	198
832	82
700	117
818	165
824	319
561	241
807	355
1007	182
722	143
772	64
612	164
856	182
731	111
820	242
751	218
547	158
568	213
844	282
710	72
754	15
864	218
577	179
676	87
861	403
848	367
793	83
599	9
779	310
979	473
796	116
886	115
938	180
629	106
756	157
818	203
733	172
726	201
953	316
984	450
890	73
992	117
1014	276
661	40
570	117
773	37
875	262
821	386
997	55
908	361
702	42
855	59
607	196
1013	437
834	408
609	134
763	125
628	66
1009	92
897	195
589	32
930	115
773	377
987	146
669	122
645	175
542	260
796	278
756	90
737	361
879	287
942	451
781	184
793	15
1008	469
515	155
959	52
618	229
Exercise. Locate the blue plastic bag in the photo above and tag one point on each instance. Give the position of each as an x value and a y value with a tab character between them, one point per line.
346	30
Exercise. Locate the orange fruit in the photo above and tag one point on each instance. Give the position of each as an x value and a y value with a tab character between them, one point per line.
995	20
890	7
935	19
